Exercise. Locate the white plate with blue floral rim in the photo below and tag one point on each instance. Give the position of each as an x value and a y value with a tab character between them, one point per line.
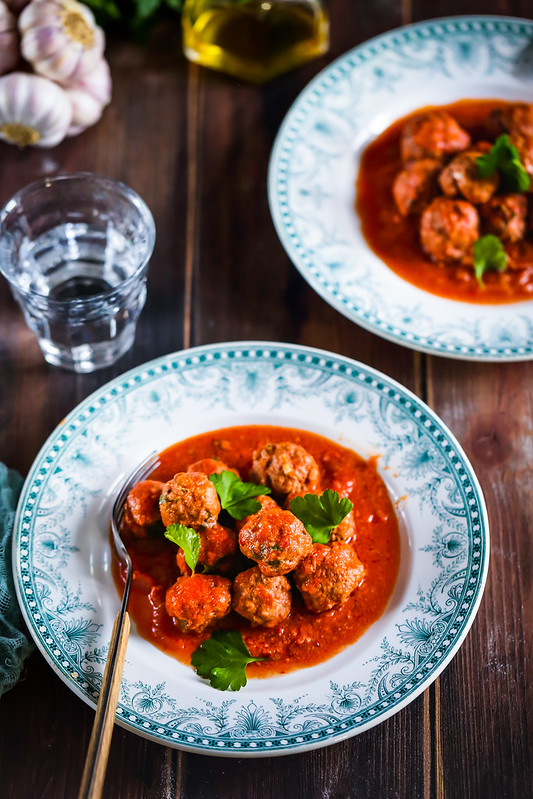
61	551
316	157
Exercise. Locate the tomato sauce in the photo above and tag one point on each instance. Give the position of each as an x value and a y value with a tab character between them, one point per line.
304	638
394	238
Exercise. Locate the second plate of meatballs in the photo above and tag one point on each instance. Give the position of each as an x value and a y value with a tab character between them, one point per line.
444	199
376	193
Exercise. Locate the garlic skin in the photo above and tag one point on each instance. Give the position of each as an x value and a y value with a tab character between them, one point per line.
89	96
33	111
9	39
60	39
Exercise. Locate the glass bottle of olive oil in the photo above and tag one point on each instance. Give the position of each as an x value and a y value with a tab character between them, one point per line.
254	39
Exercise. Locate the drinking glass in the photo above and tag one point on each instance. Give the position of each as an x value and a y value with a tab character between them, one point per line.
75	250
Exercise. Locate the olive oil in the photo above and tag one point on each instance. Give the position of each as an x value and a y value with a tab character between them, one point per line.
254	39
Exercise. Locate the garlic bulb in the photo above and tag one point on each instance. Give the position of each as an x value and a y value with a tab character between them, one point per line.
60	39
89	96
33	110
9	39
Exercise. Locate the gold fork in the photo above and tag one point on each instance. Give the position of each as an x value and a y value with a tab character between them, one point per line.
92	781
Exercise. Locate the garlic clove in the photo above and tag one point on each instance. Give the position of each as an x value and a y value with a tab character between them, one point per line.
9	39
33	110
97	82
85	111
89	96
60	38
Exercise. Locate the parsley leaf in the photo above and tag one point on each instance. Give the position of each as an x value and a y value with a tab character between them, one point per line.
504	157
237	497
321	514
222	660
488	254
186	538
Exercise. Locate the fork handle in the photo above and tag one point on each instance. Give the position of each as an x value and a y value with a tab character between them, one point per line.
92	781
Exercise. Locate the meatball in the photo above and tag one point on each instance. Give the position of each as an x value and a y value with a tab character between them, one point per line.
276	540
196	602
265	501
285	467
189	499
344	531
141	509
210	466
519	123
432	135
505	216
216	542
461	176
415	185
448	230
328	575
260	599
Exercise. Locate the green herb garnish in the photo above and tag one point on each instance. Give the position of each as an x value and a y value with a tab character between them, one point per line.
321	514
187	539
488	254
136	17
222	660
505	158
237	497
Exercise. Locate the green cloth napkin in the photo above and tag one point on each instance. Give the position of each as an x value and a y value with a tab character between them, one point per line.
15	644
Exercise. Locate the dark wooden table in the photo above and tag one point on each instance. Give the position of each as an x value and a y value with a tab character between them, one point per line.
195	145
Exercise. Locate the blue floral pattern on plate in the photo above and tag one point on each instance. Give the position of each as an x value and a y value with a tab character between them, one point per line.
315	160
61	551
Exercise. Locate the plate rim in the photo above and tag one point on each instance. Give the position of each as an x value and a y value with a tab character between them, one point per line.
269	346
326	294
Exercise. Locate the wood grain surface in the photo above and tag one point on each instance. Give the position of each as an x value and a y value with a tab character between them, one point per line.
195	145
